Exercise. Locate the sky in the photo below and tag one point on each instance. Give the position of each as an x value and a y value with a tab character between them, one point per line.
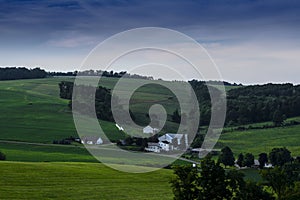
251	42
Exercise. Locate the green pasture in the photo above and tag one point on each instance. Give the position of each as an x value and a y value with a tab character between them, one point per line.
257	141
26	180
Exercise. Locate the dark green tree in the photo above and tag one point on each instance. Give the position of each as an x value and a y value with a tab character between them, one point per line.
128	140
252	191
240	160
197	142
249	159
262	159
280	156
226	157
277	179
278	118
212	181
184	184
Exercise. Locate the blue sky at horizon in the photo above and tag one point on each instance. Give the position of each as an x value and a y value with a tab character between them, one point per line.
250	41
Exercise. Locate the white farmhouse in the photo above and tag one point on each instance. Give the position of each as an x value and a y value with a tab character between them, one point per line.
171	138
171	141
91	140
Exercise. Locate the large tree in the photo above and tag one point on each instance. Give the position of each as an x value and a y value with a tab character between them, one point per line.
278	180
226	157
262	159
240	160
278	118
184	184
249	159
212	181
280	156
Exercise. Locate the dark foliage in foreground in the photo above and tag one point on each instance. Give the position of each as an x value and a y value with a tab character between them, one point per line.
211	181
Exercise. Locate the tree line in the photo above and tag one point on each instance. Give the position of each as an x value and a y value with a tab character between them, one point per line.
259	103
102	99
14	73
83	100
249	104
104	73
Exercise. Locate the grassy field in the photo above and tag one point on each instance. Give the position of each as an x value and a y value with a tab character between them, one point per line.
25	180
32	111
262	140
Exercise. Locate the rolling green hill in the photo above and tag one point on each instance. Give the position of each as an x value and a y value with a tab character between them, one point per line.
257	141
31	111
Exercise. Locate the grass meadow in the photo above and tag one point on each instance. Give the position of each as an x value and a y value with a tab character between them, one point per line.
26	180
256	141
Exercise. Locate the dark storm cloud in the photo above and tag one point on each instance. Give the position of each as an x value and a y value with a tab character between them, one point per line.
106	16
252	35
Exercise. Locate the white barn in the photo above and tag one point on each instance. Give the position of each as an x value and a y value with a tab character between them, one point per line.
91	140
149	130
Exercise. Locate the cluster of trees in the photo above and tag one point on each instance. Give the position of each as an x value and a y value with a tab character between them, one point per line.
64	141
102	99
100	73
14	73
83	100
203	92
283	181
227	158
277	157
62	73
139	142
258	103
212	181
225	83
112	73
67	140
2	156
249	104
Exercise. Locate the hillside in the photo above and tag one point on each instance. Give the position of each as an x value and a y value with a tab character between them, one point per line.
257	141
33	112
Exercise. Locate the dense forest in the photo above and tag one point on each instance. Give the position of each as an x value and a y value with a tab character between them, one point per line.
247	104
259	103
102	99
251	104
14	73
